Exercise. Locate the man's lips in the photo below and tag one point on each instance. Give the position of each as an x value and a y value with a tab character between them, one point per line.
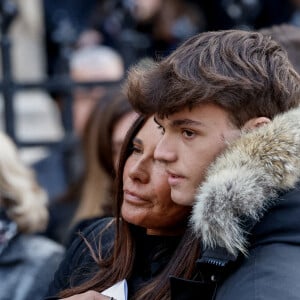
133	197
174	179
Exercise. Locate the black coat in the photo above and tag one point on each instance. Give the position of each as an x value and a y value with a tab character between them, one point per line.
78	260
272	268
78	266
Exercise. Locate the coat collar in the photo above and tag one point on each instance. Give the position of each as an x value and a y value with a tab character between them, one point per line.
8	230
244	181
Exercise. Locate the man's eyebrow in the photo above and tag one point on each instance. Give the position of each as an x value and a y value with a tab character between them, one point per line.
155	120
182	122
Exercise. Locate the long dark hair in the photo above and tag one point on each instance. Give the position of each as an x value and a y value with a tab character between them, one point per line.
119	264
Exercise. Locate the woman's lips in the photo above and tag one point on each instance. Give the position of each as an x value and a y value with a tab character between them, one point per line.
133	197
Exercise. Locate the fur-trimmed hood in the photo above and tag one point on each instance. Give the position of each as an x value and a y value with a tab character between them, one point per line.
244	180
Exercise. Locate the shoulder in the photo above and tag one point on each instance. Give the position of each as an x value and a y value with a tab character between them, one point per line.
30	255
99	233
33	248
79	262
270	272
41	246
98	230
281	223
92	225
272	267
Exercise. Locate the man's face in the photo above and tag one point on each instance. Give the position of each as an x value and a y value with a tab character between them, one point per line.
190	142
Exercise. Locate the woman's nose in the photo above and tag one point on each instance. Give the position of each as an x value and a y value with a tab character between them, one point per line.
139	171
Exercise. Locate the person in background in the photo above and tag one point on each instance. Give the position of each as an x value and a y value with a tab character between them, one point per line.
36	116
27	260
95	63
102	141
139	29
230	124
87	64
63	165
139	244
63	22
288	36
92	63
295	13
91	196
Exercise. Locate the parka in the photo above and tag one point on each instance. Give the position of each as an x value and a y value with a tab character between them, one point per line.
247	218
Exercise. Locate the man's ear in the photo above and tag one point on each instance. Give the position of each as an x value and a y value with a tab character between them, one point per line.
255	123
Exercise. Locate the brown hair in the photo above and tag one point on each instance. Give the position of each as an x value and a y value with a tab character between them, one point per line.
99	128
119	265
246	73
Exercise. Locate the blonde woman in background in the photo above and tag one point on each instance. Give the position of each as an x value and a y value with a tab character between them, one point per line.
27	260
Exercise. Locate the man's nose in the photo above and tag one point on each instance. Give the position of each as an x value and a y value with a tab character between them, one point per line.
164	151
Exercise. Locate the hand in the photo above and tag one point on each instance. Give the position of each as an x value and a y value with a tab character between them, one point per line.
89	295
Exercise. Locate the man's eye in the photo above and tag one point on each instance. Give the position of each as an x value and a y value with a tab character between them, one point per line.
161	129
188	133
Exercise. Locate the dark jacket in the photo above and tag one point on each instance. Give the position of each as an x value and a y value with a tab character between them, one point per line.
78	266
247	213
78	259
27	266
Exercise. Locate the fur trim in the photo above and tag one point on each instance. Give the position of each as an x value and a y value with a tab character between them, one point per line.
244	181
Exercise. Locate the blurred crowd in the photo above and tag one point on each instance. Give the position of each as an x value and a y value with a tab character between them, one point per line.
71	183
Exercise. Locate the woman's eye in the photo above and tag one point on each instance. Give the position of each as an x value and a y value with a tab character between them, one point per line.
136	150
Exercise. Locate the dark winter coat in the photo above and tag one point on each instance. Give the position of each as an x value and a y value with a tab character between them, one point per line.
247	215
152	255
27	266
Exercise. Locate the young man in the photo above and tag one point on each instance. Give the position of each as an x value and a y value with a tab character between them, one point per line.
227	103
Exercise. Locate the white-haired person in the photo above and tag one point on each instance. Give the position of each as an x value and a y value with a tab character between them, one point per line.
27	260
93	63
63	166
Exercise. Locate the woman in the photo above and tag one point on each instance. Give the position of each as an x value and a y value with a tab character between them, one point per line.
140	244
24	255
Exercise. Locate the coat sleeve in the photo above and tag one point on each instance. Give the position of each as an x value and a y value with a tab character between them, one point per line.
77	261
271	272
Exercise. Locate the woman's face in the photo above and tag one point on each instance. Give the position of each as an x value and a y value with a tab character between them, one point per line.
147	201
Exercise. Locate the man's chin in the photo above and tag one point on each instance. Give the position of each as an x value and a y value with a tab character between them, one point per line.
181	198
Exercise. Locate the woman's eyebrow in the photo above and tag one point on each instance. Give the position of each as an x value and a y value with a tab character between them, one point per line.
137	141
